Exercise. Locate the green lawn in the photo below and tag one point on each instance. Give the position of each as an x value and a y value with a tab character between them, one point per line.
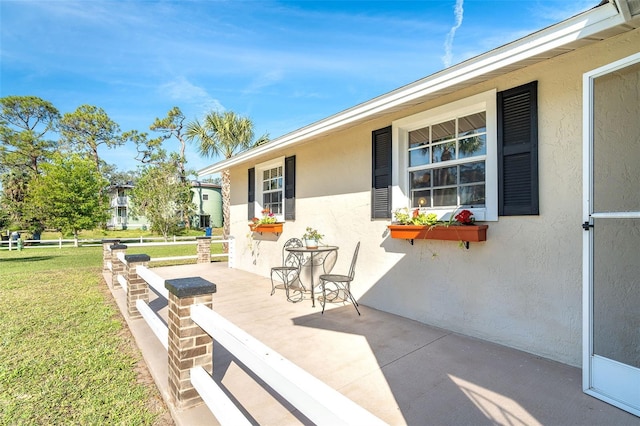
65	354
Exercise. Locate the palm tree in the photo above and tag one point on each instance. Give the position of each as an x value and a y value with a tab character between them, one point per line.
224	134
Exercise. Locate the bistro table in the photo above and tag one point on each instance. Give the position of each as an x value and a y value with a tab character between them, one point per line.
312	261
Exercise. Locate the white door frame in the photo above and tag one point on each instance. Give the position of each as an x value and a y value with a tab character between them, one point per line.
589	361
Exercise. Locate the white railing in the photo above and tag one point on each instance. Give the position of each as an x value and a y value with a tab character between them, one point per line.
157	326
159	329
320	403
92	242
153	280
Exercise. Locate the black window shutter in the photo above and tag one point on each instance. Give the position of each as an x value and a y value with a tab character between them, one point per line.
381	174
290	188
251	194
518	151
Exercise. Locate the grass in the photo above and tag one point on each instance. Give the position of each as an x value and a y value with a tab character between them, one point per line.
123	234
65	354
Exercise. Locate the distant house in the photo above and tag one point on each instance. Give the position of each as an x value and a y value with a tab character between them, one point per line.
208	200
206	197
554	171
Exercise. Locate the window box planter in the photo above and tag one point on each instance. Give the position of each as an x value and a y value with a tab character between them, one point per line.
464	233
274	228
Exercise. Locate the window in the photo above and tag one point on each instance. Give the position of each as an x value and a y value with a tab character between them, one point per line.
447	163
270	187
205	197
122	214
447	158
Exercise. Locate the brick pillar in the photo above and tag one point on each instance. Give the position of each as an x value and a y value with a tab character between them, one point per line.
106	254
189	345
204	249
117	267
137	288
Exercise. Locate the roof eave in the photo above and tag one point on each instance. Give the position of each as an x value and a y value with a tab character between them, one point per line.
477	69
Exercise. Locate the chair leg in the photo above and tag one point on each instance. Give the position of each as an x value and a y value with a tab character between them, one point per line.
355	304
324	296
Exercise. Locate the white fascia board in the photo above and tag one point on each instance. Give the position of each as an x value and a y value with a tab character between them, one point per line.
579	27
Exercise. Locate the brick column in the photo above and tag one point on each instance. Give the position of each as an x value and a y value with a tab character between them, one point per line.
204	249
137	288
189	345
106	254
117	267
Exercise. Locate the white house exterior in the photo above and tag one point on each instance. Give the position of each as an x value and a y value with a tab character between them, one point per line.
558	116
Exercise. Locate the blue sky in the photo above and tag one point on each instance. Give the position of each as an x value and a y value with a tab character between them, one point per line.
284	64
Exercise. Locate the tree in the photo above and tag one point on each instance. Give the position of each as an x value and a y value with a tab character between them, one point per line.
14	192
70	194
115	176
158	195
224	134
172	126
24	121
87	128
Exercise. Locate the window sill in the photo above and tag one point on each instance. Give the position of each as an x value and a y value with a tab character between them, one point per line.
464	233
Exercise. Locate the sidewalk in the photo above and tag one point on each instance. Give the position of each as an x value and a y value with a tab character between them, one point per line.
401	370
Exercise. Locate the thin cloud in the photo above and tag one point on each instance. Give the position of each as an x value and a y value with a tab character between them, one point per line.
263	80
182	90
448	43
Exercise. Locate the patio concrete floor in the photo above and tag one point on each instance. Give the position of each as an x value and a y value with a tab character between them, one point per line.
403	371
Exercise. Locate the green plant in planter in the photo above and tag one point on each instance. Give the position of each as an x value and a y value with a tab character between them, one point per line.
404	216
312	234
267	218
415	217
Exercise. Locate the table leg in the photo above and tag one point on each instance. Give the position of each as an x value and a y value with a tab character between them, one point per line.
313	300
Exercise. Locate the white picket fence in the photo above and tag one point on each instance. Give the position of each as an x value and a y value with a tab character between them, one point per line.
91	242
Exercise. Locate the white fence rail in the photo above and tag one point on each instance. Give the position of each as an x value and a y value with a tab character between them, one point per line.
156	325
12	244
154	280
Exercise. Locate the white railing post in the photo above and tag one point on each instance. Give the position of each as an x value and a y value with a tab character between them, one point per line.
231	259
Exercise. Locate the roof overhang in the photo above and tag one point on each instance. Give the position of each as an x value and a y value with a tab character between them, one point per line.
594	25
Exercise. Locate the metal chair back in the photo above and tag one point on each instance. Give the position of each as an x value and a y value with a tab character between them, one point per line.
289	258
352	269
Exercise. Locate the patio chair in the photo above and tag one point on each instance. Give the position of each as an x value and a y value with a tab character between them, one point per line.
336	287
289	272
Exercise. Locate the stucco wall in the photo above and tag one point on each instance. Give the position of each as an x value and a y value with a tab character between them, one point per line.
521	288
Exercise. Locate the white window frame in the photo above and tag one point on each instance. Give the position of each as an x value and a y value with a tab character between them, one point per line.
485	101
260	168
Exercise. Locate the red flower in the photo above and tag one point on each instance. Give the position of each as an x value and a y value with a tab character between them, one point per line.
464	217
